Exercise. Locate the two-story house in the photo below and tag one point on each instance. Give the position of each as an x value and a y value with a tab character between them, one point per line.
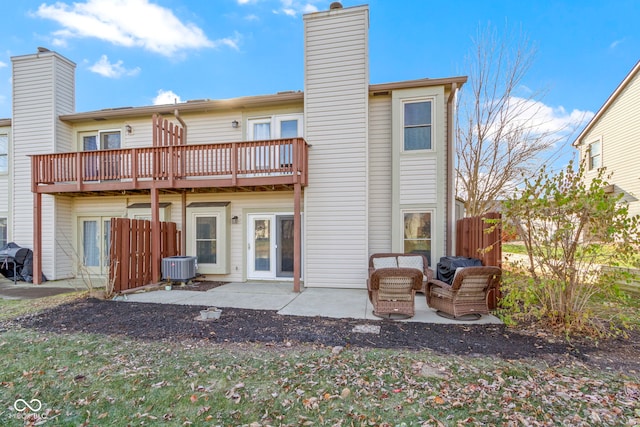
611	139
294	186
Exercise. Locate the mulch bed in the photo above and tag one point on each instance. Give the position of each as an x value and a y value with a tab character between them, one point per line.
148	321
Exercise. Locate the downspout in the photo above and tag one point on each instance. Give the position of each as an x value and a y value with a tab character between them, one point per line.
450	212
176	113
183	207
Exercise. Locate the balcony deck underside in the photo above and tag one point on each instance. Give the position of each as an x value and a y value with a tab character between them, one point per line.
214	185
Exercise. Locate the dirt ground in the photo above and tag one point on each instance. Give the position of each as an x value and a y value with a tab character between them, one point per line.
147	321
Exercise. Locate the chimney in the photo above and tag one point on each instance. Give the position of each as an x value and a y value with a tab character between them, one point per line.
43	88
336	103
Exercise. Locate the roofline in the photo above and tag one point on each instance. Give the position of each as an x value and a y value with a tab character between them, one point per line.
5	122
608	103
201	106
198	106
408	84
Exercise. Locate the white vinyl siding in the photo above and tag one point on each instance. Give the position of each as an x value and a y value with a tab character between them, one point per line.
379	174
618	129
42	90
336	125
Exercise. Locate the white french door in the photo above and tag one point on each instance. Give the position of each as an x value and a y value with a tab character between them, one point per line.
270	246
94	244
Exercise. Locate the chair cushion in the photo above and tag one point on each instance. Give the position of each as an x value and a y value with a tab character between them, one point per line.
385	262
411	262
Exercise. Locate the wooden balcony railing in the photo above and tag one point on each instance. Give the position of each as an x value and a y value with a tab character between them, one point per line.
234	164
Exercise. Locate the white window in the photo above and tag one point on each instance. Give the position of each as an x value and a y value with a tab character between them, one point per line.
417	233
4	153
3	232
206	239
595	155
417	125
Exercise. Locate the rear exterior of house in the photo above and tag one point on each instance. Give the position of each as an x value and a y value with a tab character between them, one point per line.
5	202
295	186
611	138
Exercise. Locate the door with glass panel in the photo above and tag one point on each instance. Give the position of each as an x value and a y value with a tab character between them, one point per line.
277	127
270	246
105	166
95	239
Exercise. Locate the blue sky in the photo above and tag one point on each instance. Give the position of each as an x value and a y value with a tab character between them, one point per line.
141	52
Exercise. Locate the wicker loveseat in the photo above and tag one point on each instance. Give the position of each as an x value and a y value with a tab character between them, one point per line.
467	293
402	260
393	281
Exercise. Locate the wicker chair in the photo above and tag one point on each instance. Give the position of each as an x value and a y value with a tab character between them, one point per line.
467	294
392	291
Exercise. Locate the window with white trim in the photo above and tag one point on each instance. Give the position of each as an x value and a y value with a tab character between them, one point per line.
417	233
206	239
595	155
4	153
3	232
417	120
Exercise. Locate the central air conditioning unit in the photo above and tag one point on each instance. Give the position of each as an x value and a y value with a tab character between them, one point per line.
179	268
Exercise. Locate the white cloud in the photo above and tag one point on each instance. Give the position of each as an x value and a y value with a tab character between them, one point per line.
252	17
2	64
130	23
615	43
115	70
543	119
166	97
294	8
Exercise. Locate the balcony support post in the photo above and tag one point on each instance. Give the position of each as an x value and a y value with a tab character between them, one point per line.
37	238
297	236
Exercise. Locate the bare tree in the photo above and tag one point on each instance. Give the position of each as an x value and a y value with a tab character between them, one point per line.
500	133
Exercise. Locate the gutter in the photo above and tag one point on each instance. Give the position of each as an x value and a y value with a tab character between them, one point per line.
450	210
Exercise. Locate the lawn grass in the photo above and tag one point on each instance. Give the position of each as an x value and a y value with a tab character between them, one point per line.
10	308
86	379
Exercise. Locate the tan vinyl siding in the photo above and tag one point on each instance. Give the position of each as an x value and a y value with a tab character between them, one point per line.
418	180
619	131
419	177
38	96
64	246
336	125
379	174
241	205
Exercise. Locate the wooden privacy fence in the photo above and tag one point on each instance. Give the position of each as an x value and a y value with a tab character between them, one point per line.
130	251
477	238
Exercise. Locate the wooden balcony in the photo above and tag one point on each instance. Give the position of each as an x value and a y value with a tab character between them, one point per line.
251	166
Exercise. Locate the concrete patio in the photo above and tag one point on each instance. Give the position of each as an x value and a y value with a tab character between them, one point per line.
278	296
324	302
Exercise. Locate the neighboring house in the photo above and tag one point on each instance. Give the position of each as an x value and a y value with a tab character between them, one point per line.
612	140
291	187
